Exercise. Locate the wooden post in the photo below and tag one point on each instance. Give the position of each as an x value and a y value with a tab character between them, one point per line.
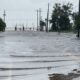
47	18
78	33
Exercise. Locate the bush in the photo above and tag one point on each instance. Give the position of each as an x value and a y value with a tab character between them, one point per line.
2	25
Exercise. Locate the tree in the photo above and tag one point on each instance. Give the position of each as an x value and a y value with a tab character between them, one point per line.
2	25
76	19
60	17
42	24
55	16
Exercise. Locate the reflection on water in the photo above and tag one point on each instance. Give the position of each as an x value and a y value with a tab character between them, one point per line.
24	56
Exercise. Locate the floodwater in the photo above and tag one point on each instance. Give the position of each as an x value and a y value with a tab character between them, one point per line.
33	55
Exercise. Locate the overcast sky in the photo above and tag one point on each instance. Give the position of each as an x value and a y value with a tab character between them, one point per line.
24	11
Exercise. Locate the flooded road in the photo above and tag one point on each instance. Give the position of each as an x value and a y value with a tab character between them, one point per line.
34	55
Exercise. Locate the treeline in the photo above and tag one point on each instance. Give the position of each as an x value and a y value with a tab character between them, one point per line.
63	18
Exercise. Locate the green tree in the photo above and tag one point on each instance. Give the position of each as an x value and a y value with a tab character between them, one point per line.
55	17
76	20
2	25
60	17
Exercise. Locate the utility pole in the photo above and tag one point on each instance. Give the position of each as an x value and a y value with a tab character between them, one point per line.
4	15
47	18
39	17
40	14
78	30
37	20
79	7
